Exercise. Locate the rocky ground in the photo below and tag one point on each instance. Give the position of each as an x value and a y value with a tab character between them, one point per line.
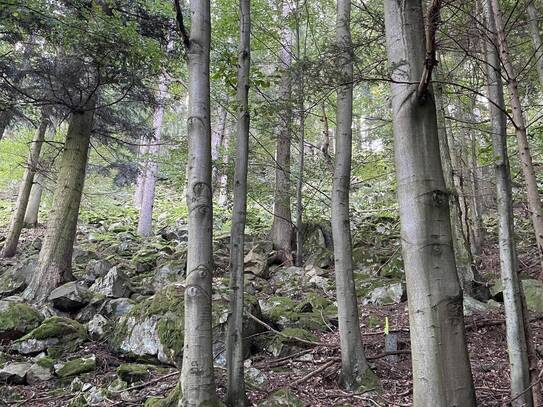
114	335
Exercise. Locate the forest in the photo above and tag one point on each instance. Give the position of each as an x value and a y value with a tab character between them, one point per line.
271	203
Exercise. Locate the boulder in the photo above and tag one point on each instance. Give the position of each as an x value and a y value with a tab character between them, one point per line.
533	291
76	367
17	278
388	294
38	373
55	333
134	372
282	398
15	373
168	273
98	327
154	328
256	262
70	296
96	269
17	319
117	307
114	284
471	305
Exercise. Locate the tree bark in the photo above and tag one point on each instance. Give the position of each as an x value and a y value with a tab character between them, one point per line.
355	371
223	178
282	220
197	378
441	369
55	259
534	200
299	258
33	207
462	253
533	18
143	151
17	219
5	119
145	222
235	393
514	313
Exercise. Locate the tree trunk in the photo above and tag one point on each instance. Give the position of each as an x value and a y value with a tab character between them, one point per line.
5	119
223	178
282	220
516	340
33	207
441	369
143	152
301	135
235	394
145	222
197	378
462	253
17	219
533	17
55	259
476	209
355	371
534	201
217	138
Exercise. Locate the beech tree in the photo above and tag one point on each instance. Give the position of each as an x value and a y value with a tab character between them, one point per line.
197	377
282	218
234	340
355	371
441	369
513	301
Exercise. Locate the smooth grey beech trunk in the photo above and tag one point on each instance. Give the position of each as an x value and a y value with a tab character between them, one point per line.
197	378
462	253
282	219
525	156
17	219
512	290
55	258
441	369
533	18
355	371
143	151
145	221
33	207
235	392
223	178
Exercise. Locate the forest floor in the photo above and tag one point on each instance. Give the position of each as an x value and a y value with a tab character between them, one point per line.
310	372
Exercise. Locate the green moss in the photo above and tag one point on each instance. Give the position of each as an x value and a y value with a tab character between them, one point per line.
18	319
77	366
58	327
170	401
133	372
369	381
78	401
171	333
45	362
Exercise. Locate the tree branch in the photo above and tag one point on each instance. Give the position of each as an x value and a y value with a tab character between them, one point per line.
181	25
430	61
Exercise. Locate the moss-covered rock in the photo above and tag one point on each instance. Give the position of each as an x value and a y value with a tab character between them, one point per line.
289	343
154	328
17	319
55	334
134	372
533	291
282	398
76	367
